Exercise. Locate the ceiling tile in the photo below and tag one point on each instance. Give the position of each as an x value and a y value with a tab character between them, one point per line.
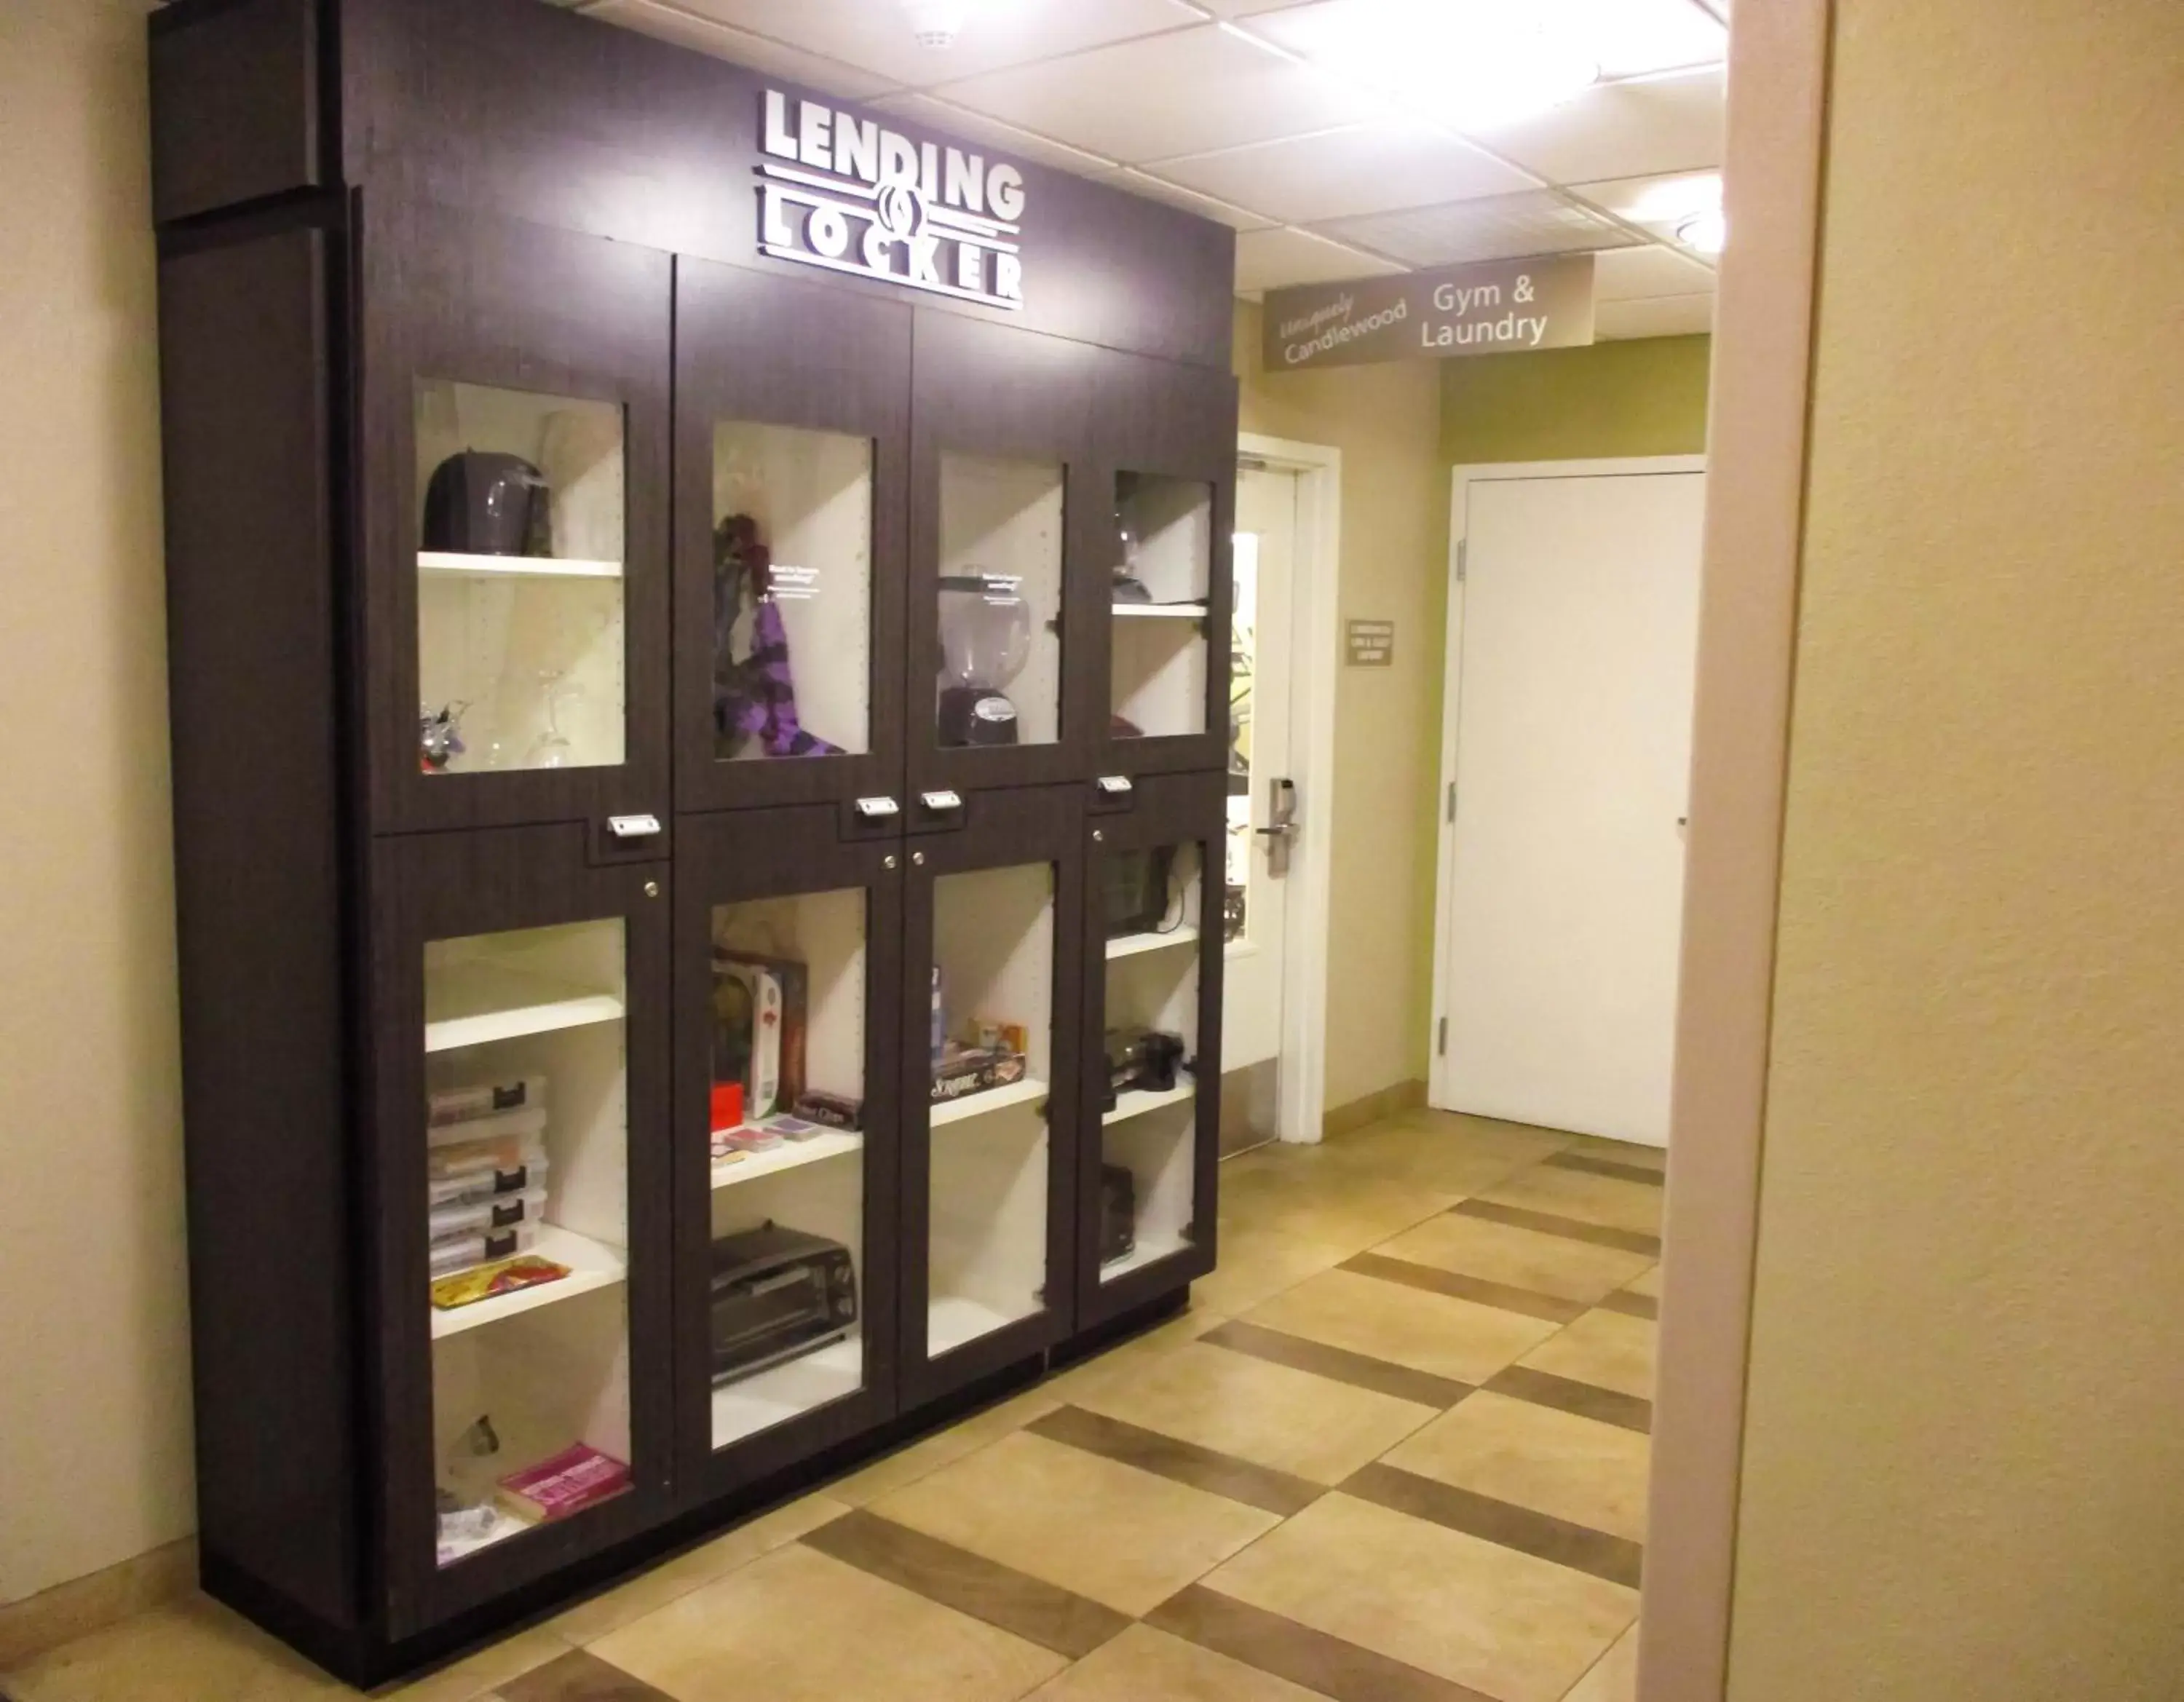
1500	227
972	127
875	35
687	29
1656	316
1622	129
1269	259
1634	274
1189	93
1145	183
1368	169
1623	37
1658	204
1633	37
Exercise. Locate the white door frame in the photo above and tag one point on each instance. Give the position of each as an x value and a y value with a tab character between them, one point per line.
1437	1089
1315	579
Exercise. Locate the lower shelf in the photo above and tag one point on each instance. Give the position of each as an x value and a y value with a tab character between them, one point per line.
591	1264
953	1320
1136	1103
992	1099
779	1393
1148	1251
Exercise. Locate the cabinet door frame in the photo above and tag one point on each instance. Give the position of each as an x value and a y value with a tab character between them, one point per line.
724	859
999	391
513	306
763	350
451	886
1163	810
999	830
1158	417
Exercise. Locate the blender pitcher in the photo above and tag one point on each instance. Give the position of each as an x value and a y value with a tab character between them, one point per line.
985	640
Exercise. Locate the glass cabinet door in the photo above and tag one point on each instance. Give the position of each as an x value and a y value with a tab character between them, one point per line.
789	969
993	975
1156	879
997	607
1158	617
514	502
521	995
793	409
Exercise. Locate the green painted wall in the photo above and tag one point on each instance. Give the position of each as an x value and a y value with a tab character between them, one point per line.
1644	396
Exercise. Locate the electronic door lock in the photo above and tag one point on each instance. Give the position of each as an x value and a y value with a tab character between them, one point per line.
941	803
1114	785
878	809
627	827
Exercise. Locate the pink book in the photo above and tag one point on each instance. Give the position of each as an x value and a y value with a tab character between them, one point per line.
572	1480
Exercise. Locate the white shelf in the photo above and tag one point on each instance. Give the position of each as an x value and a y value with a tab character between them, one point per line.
514	566
992	1099
1136	1104
1160	611
952	1321
830	1144
591	1264
471	1003
767	1397
1129	945
504	1524
1146	1252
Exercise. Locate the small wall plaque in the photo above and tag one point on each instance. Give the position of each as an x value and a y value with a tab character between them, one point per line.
1370	643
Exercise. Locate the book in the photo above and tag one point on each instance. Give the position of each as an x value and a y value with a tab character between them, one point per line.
572	1480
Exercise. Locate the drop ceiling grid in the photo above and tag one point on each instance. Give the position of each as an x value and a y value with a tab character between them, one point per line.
1206	105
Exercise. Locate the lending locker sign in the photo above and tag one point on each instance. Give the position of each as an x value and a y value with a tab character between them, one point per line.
1452	310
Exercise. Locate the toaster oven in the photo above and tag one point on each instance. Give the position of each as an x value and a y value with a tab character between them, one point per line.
777	1292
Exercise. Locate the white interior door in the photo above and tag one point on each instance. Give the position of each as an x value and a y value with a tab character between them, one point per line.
1571	688
1260	716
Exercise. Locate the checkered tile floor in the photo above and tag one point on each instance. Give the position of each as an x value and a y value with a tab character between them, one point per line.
1396	1451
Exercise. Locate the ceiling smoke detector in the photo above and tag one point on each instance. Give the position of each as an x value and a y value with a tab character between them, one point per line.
937	22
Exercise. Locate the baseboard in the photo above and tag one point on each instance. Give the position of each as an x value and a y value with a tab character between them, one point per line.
29	1627
1358	1114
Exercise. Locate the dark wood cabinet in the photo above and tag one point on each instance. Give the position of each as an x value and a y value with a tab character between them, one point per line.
650	800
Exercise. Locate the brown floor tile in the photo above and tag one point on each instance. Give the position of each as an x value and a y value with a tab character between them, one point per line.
1570	1228
1553	1265
1183	1462
1604	1349
1608	1201
579	1676
1614	1677
1458	1286
1307	1426
1405	1326
1586	1400
1577	1469
1630	1305
1327	1664
588	1620
1436	1598
798	1625
1646	1175
1634	1153
1147	1665
1581	1548
1079	1521
1338	1363
1649	1284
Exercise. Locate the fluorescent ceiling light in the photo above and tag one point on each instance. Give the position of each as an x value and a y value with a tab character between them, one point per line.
1673	199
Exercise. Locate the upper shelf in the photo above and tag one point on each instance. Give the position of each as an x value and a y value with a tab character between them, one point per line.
992	1099
1129	945
470	1004
830	1144
1136	1101
591	1264
1161	611
514	566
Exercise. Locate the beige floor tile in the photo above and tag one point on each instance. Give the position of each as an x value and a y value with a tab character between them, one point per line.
1147	1665
1606	1200
1649	1284
1406	1326
1123	1363
1606	1349
187	1651
588	1620
1516	1628
1578	1469
1522	1258
799	1627
1615	1677
491	1667
1454	1154
1256	1263
943	1448
1289	1420
1091	1525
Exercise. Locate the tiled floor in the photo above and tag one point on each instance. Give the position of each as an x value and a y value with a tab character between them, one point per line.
1396	1452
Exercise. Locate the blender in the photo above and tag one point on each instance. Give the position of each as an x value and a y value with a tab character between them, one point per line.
985	639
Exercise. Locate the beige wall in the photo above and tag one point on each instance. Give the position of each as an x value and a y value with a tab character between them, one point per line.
1964	1470
1385	420
94	1376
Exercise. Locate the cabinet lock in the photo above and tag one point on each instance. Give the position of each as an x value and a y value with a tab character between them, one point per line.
633	826
939	802
1115	785
878	809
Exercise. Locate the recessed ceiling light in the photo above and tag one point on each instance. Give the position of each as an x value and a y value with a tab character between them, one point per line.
1674	199
1707	233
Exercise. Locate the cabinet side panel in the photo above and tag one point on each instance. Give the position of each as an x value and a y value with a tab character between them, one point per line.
235	103
251	621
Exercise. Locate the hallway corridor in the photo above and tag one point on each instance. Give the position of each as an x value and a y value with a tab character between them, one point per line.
1396	1451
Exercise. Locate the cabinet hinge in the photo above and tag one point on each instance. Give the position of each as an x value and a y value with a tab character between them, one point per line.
1440	1042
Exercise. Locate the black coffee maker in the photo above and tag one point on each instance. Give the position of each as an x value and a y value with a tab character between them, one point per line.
480	503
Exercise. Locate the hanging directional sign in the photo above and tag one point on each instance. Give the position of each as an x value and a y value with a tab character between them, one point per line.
1493	308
